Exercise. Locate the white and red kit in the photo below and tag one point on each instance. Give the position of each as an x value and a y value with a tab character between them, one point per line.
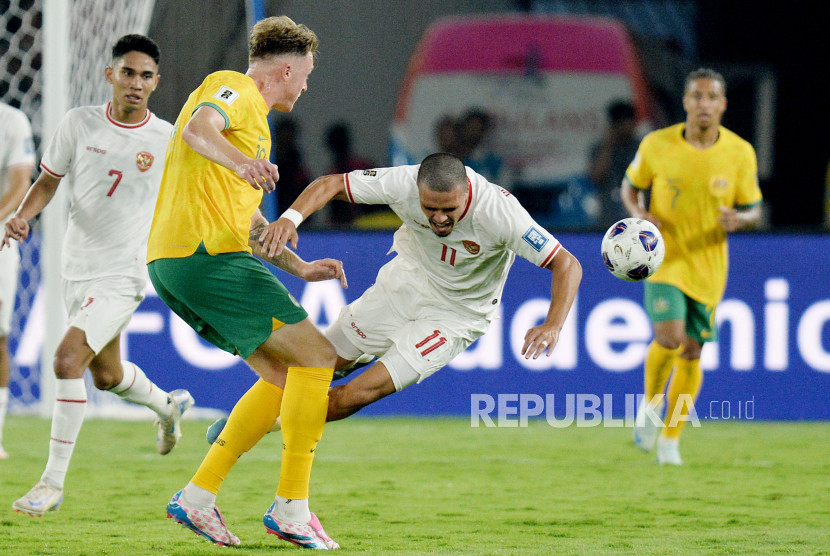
439	293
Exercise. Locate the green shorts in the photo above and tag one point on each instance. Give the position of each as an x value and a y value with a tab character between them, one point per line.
664	302
230	299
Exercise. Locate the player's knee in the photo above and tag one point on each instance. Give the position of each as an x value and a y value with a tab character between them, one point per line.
106	381
66	365
669	340
105	376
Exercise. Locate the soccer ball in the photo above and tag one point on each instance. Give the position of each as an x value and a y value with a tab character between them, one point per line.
633	249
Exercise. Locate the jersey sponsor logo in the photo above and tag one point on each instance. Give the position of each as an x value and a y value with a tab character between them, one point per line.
29	146
424	226
471	246
144	160
535	238
661	305
226	95
504	192
96	150
372	173
87	303
358	330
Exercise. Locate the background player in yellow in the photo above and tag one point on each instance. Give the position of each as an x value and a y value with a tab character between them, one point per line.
199	253
703	184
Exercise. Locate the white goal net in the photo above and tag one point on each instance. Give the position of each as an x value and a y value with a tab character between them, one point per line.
90	28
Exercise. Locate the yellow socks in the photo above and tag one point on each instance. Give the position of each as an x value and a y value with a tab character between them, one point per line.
252	417
686	379
303	417
658	366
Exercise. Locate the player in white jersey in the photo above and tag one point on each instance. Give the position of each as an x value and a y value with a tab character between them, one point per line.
459	237
17	158
113	157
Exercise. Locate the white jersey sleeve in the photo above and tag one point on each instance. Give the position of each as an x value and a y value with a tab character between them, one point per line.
16	145
469	267
112	173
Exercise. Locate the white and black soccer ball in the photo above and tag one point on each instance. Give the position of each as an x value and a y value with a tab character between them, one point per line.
633	249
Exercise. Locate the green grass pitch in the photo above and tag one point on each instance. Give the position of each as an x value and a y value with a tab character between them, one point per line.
413	486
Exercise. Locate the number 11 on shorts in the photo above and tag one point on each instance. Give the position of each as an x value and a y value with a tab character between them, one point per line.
433	345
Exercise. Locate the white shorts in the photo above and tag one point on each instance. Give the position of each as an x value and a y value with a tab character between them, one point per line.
412	333
9	268
102	307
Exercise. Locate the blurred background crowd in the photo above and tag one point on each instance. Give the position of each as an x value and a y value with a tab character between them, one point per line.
554	120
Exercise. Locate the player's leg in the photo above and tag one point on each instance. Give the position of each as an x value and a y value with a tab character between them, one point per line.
5	371
106	309
250	419
71	360
368	387
686	381
239	306
310	359
9	262
129	382
342	369
666	307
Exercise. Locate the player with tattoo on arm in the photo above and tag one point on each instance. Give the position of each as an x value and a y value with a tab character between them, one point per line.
204	232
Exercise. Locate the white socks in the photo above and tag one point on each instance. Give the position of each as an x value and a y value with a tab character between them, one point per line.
67	418
197	496
293	510
135	387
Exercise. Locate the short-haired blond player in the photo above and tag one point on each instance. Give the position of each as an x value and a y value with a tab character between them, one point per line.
200	259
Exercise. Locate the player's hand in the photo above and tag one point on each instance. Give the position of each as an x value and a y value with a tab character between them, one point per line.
729	219
259	173
324	269
17	228
277	235
538	340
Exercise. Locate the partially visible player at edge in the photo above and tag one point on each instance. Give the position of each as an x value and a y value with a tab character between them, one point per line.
459	239
17	158
703	181
199	253
112	155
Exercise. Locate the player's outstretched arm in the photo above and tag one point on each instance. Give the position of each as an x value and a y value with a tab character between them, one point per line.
283	231
203	134
287	260
567	274
36	199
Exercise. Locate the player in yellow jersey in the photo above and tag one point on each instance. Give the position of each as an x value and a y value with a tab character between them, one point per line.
205	227
703	184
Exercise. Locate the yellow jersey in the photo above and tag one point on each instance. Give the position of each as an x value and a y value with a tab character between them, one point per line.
687	187
200	200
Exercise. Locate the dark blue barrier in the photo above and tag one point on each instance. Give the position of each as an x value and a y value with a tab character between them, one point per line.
772	361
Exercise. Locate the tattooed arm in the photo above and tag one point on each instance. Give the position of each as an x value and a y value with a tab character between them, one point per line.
289	261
